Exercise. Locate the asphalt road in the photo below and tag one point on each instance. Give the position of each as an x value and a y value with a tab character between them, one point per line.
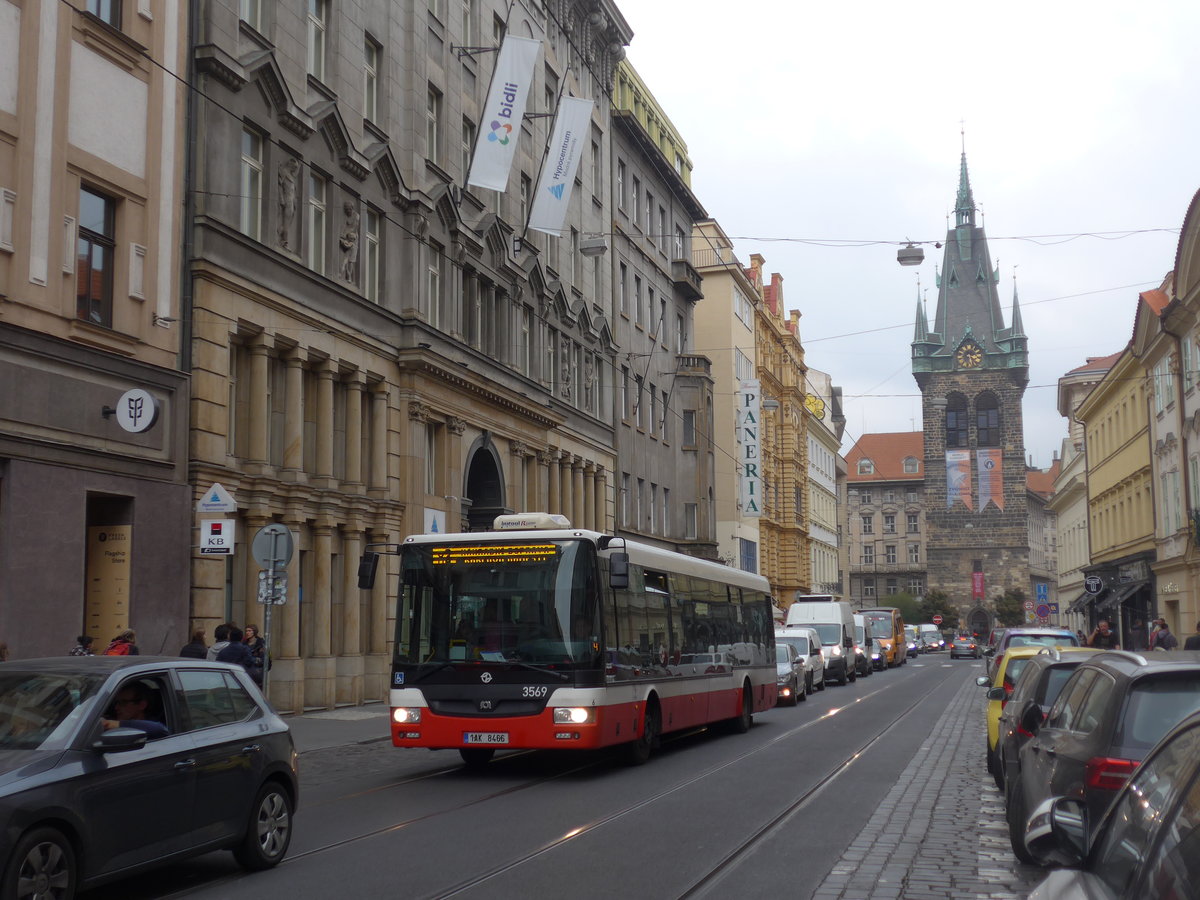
769	813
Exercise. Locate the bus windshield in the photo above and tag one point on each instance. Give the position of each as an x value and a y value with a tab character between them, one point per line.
880	624
495	601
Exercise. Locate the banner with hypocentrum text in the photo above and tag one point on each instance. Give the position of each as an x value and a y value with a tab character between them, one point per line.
500	129
553	194
990	463
958	478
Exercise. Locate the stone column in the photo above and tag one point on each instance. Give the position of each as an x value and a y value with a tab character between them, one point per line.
354	468
379	440
564	483
351	664
254	609
589	496
322	598
452	466
601	500
577	504
260	412
293	425
554	501
541	494
378	634
326	373
520	492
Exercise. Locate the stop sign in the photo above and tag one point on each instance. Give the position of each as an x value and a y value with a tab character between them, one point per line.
937	620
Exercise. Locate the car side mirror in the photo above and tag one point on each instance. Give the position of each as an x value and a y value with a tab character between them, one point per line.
120	740
1031	717
989	651
983	681
618	571
996	693
1057	832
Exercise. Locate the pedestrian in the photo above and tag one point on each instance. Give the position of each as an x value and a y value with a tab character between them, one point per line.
196	648
1082	637
1103	637
236	652
258	649
221	633
124	644
1138	636
83	646
1162	639
1193	642
3	652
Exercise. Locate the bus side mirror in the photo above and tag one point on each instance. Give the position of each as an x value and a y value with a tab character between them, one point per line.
367	566
618	571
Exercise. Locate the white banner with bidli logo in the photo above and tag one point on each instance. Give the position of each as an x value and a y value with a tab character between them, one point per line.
749	447
553	194
496	143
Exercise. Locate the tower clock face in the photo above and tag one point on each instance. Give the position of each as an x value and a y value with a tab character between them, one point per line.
969	355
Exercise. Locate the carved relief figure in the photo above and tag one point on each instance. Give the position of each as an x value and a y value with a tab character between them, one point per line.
589	380
349	242
288	172
565	366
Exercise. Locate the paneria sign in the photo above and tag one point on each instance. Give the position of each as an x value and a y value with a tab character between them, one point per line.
749	447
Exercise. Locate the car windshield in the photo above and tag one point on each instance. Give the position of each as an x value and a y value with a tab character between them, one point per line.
1155	705
1043	640
39	710
781	653
797	641
830	634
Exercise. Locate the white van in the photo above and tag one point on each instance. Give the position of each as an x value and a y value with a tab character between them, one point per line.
833	620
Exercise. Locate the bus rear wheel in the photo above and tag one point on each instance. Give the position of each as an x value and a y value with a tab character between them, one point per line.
476	757
741	723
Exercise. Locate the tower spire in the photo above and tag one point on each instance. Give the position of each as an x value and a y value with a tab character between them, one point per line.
921	329
1018	327
964	207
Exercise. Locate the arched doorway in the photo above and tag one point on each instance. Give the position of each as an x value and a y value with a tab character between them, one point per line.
483	490
979	622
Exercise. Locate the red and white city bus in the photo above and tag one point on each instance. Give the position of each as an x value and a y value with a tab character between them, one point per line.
538	635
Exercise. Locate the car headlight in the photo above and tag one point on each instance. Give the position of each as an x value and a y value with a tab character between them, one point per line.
837	650
406	715
573	715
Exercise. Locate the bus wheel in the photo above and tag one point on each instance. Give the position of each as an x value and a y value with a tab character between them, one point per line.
476	757
638	751
740	724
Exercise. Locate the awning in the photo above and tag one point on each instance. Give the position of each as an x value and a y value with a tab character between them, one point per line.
1119	595
1081	602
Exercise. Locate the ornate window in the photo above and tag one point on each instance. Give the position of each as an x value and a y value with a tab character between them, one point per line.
987	421
956	422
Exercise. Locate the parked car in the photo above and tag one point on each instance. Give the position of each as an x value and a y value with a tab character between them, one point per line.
912	640
807	643
1029	637
931	637
1000	688
1039	684
962	647
790	683
1145	848
110	765
1113	709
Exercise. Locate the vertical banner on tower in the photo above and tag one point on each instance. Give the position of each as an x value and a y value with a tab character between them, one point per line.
990	463
977	588
958	477
496	143
553	194
749	447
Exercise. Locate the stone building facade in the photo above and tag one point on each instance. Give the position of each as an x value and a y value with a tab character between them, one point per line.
94	496
972	371
378	347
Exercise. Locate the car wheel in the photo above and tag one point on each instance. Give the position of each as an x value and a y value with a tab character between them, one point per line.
795	690
807	689
842	677
821	686
42	866
269	831
476	757
1014	813
993	767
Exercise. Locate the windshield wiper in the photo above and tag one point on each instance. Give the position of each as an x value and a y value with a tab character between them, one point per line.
563	676
436	668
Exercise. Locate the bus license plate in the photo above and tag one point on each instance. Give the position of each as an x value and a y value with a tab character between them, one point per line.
485	737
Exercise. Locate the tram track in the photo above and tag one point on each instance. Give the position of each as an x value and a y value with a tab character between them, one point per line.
699	886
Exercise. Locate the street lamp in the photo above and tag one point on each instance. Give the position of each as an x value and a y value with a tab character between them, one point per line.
910	255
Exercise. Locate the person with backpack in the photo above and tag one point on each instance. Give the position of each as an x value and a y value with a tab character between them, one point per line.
124	644
236	652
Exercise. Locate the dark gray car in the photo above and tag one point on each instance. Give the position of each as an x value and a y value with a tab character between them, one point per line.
1113	709
113	765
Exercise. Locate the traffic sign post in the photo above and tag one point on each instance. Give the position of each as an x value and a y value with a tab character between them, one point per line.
272	548
937	620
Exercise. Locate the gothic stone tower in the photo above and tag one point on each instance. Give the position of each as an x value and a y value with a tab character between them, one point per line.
972	373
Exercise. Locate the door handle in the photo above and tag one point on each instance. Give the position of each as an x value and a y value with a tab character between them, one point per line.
252	748
185	764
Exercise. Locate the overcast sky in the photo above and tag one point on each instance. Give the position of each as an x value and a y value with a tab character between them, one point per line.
809	122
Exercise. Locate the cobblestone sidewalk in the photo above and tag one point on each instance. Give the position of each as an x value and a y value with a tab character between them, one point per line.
955	848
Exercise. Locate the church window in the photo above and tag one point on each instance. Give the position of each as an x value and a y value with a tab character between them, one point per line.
956	423
987	421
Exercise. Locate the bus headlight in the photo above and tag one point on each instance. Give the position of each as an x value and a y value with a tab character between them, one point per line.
407	715
573	715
